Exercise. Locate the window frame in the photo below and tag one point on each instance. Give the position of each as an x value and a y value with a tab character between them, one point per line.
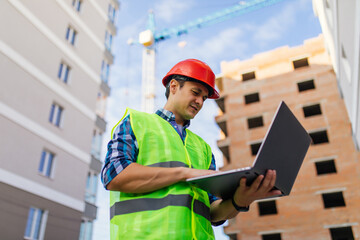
91	187
252	95
329	203
71	35
320	169
262	214
111	13
108	40
300	85
45	158
64	72
35	226
56	119
84	233
77	5
105	71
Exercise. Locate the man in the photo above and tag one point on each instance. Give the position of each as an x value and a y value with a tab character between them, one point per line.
151	155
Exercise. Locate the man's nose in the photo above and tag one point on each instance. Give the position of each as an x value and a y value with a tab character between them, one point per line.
199	101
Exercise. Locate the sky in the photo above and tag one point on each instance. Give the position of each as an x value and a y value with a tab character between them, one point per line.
288	22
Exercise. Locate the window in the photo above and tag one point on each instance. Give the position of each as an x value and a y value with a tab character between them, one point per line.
248	76
312	110
341	233
111	13
105	67
86	229
71	35
255	148
46	163
273	236
334	199
267	208
251	98
325	167
306	85
319	137
345	63
64	72
233	236
56	113
91	187
108	41
77	4
35	225
300	63
255	122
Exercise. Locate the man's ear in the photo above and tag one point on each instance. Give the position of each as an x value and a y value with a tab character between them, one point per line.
173	86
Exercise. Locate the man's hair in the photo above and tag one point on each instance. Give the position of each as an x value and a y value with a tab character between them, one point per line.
181	80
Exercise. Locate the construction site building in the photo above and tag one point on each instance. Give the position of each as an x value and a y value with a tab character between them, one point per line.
325	199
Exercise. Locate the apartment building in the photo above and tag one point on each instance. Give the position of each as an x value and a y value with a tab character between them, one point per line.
340	24
54	62
325	198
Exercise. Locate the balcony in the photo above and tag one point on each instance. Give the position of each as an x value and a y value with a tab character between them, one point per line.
112	28
108	56
221	103
223	145
90	211
100	123
105	88
221	122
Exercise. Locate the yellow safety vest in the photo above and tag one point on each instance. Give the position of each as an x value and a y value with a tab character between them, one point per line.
179	211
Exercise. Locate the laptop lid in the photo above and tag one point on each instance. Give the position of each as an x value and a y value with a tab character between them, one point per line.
283	149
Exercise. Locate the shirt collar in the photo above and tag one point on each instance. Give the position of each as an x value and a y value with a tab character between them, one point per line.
170	117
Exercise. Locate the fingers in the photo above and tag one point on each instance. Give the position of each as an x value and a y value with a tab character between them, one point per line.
256	184
242	183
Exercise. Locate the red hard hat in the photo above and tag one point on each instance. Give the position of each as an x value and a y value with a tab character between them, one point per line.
196	69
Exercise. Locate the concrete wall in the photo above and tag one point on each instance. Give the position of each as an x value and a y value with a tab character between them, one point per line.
62	222
32	46
340	22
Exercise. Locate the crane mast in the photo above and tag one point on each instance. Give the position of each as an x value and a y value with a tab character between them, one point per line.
146	38
148	80
149	37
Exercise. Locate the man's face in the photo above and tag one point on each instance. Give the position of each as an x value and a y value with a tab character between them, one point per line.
189	99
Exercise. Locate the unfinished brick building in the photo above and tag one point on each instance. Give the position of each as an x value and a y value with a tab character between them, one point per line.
325	200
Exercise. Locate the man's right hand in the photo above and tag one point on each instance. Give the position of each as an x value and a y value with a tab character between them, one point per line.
137	178
191	173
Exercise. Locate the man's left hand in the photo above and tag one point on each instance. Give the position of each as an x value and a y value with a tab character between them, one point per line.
260	188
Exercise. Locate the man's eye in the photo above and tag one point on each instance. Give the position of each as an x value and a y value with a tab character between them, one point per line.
196	93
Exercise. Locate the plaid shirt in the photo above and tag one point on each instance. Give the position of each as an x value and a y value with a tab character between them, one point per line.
123	148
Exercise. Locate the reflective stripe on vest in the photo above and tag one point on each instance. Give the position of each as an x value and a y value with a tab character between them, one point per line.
149	204
179	211
169	164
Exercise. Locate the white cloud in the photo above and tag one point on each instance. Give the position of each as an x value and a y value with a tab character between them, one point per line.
226	40
209	50
167	10
274	27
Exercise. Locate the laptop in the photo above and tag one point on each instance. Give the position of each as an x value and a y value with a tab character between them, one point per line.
283	149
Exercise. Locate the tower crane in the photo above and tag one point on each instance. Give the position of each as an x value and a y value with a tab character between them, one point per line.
150	37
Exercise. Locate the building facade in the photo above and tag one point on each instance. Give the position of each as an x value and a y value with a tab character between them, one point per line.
54	62
325	198
340	24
